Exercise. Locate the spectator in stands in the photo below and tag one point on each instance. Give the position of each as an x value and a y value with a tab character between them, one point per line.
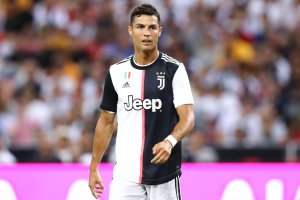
198	149
56	53
6	157
45	152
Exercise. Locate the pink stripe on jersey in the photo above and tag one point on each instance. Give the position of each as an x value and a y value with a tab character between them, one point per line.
143	128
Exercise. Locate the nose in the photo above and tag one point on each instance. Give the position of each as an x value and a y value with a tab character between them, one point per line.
146	32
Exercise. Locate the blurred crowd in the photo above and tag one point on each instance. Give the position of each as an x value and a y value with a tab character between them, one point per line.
242	56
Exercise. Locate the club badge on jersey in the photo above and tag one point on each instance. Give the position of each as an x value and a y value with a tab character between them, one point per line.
161	80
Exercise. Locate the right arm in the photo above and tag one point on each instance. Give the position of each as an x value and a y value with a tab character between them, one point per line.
103	133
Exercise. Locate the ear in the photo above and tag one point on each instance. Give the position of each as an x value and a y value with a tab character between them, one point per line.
130	30
160	31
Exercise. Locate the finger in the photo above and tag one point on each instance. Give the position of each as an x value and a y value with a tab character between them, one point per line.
100	185
157	157
165	158
97	193
97	190
162	159
94	193
154	149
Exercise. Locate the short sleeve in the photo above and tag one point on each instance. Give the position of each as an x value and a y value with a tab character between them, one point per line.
110	97
181	87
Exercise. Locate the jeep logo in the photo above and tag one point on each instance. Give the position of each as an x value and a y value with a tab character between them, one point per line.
138	104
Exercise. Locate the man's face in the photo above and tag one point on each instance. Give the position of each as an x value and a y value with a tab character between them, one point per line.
145	31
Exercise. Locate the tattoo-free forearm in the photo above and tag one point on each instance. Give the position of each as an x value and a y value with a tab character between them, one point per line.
186	122
102	137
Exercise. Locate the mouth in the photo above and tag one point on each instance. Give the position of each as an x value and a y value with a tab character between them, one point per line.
146	41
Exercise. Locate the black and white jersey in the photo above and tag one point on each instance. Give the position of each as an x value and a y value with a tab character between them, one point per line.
145	100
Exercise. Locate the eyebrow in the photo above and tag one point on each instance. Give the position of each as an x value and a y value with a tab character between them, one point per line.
139	24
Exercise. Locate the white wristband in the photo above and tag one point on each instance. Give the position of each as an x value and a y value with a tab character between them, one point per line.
172	140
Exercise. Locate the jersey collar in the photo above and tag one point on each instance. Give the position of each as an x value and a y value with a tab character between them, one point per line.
148	66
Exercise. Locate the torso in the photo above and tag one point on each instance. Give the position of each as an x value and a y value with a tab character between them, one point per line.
146	115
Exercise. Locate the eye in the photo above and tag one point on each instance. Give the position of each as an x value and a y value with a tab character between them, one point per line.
153	27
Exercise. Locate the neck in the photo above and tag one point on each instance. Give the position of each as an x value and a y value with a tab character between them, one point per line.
144	58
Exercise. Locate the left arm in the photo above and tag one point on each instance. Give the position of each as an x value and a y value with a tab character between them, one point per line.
162	150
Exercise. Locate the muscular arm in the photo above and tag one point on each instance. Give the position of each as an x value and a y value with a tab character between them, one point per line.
103	133
162	150
186	122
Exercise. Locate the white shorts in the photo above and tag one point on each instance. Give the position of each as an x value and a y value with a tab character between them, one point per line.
121	189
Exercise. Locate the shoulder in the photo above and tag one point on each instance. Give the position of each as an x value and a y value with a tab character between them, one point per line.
121	63
171	60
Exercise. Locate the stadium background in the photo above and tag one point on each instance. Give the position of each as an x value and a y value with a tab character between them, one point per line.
242	58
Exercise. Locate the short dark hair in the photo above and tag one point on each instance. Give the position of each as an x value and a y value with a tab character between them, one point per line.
144	9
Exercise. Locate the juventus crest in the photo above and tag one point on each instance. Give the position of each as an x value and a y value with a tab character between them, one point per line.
161	80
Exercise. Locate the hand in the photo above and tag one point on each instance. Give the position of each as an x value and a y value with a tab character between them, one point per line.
95	184
162	152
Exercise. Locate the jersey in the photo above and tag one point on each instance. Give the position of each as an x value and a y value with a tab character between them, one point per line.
145	100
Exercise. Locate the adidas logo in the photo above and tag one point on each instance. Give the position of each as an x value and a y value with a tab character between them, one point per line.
126	85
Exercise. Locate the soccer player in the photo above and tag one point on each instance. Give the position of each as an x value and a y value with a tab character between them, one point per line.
150	95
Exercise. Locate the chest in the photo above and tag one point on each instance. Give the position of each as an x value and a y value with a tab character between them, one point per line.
143	84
